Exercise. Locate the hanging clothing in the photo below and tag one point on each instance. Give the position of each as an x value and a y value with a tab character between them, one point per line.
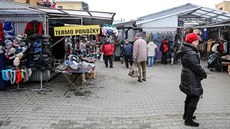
221	48
131	35
33	27
2	66
118	51
1	31
8	30
209	45
225	47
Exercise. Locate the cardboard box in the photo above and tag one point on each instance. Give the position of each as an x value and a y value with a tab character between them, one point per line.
91	75
229	69
80	76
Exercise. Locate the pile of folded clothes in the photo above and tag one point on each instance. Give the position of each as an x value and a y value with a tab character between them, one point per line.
74	65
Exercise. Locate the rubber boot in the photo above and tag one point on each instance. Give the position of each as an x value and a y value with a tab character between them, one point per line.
188	120
185	112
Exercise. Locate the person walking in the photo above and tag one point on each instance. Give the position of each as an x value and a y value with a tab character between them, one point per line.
151	53
140	56
127	51
191	76
108	50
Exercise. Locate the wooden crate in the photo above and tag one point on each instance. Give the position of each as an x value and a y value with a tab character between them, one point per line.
91	75
229	69
74	76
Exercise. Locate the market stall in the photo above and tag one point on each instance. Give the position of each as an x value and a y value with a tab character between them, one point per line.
39	21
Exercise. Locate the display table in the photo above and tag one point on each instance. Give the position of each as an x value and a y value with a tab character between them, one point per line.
72	78
75	76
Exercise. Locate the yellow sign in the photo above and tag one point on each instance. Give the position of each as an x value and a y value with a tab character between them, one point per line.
77	30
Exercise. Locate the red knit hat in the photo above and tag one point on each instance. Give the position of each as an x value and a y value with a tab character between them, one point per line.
191	37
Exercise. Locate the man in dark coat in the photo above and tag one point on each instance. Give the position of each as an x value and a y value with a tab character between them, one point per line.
191	76
127	51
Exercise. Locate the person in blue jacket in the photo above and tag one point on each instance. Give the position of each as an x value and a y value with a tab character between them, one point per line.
127	51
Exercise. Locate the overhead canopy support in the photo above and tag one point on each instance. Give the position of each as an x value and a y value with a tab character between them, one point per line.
9	8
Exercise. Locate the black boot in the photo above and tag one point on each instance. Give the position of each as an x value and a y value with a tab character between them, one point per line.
188	120
185	112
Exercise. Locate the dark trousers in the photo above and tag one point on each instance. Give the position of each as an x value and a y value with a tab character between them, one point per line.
110	59
192	101
164	58
128	60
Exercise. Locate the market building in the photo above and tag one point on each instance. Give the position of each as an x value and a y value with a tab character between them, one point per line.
224	6
72	4
174	23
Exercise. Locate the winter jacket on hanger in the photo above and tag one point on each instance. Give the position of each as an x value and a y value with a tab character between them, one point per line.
33	27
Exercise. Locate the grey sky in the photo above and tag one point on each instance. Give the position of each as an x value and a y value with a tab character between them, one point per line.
132	9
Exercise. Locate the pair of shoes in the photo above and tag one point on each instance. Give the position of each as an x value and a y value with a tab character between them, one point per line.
111	66
106	66
188	119
2	89
144	79
139	80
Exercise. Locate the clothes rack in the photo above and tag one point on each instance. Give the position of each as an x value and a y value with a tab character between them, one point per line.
18	87
41	85
41	89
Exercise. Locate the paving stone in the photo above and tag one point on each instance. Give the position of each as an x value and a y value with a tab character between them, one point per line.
115	101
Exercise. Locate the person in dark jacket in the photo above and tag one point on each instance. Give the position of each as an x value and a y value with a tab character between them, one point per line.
127	51
164	48
214	61
191	76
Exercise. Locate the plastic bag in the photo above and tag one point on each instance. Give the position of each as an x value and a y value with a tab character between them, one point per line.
102	56
134	71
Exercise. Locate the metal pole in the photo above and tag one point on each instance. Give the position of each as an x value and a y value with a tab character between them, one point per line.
41	79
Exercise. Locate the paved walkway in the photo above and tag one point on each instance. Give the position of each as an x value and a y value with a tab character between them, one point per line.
116	101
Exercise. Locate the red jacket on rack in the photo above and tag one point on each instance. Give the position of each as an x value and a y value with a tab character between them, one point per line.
33	27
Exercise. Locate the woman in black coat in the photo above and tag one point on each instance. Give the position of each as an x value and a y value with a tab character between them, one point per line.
191	76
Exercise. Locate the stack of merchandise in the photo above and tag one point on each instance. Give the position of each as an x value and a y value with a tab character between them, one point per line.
108	30
15	51
40	52
75	65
